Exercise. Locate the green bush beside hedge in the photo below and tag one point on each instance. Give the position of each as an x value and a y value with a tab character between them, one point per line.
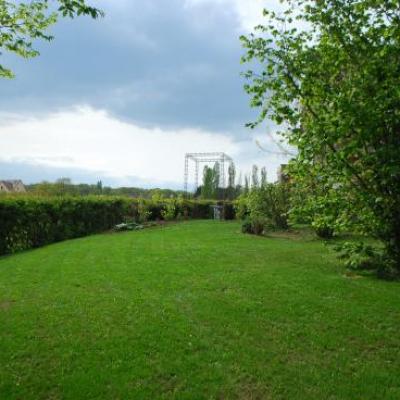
29	222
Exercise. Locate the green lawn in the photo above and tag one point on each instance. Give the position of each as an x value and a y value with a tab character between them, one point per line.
194	310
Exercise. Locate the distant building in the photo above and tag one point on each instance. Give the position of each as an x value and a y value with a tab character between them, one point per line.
283	176
15	186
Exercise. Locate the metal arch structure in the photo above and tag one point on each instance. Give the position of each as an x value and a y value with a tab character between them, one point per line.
199	158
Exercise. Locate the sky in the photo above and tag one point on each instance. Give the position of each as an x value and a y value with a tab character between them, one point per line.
123	98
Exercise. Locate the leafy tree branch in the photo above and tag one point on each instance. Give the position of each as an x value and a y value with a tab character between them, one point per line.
21	23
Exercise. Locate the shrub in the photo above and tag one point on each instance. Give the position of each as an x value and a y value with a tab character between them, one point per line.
229	211
258	226
33	222
169	212
358	255
322	228
361	256
144	212
28	222
255	226
322	215
269	203
246	226
241	207
324	232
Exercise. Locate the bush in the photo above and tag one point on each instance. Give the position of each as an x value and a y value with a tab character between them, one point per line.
323	221
324	231
254	226
361	256
270	203
229	211
144	213
169	212
29	222
246	226
241	207
258	226
33	222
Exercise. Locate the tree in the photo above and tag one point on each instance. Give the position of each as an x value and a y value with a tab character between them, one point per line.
240	180
231	180
263	177
21	23
207	189
99	187
246	184
254	177
63	186
271	203
231	175
333	87
216	180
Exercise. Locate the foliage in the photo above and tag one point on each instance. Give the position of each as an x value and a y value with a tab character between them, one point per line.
246	226
144	212
231	189
28	222
329	75
312	205
246	187
229	210
207	189
255	225
31	222
263	181
254	177
358	255
323	229
21	23
270	202
241	207
216	179
170	211
64	186
264	207
210	188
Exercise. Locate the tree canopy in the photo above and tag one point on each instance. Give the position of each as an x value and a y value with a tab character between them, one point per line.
328	72
21	23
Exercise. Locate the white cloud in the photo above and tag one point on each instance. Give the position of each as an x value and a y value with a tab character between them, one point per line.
93	140
249	12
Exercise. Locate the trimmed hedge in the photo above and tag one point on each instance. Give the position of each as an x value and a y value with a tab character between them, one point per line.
29	222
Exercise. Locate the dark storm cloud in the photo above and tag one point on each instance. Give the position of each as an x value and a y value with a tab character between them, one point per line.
153	62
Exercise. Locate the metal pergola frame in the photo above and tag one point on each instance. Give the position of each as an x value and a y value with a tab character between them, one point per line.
199	158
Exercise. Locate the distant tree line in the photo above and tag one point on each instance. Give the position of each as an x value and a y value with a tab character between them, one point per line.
210	189
65	187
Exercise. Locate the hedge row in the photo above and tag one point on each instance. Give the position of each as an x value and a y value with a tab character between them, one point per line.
29	222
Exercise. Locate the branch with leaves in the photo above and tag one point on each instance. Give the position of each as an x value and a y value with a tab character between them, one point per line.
21	23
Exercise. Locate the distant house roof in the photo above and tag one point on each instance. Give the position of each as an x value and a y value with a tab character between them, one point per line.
12	185
8	185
